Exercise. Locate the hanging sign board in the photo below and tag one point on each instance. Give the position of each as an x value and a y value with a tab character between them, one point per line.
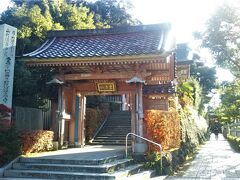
106	87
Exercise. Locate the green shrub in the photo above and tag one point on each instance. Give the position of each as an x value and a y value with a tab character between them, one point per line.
94	118
10	146
234	142
36	141
153	161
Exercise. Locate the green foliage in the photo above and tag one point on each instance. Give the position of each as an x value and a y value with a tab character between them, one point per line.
32	25
110	12
206	77
189	93
10	146
34	18
73	17
234	142
222	37
30	89
154	162
228	111
94	118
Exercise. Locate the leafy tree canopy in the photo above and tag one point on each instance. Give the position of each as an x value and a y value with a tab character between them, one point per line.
206	77
34	19
228	111
111	12
222	38
189	94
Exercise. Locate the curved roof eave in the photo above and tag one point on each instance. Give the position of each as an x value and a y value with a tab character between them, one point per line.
96	60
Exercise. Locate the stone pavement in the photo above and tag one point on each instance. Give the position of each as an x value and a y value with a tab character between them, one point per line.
95	152
215	160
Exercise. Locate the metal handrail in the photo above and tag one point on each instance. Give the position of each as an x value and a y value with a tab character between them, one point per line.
101	126
159	145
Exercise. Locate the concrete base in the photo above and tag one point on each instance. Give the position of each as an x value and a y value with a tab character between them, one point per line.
76	145
140	148
1	172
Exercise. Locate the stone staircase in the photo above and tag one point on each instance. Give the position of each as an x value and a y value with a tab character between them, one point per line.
113	167
114	131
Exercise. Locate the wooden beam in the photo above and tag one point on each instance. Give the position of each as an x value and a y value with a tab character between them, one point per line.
89	76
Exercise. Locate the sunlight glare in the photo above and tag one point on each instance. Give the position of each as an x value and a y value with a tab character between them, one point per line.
185	16
224	75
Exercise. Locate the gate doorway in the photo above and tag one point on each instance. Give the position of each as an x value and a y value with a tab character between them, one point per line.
97	115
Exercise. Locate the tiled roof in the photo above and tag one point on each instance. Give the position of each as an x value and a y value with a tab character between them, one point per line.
124	41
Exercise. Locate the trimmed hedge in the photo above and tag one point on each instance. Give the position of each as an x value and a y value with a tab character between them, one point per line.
162	127
234	142
94	118
36	141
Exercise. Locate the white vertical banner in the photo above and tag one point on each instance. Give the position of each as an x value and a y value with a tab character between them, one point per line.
8	36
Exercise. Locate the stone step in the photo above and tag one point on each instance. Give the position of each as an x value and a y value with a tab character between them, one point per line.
110	140
113	120
106	143
118	123
72	161
116	132
103	168
124	118
120	118
113	126
121	113
110	137
120	131
117	127
113	136
73	175
147	174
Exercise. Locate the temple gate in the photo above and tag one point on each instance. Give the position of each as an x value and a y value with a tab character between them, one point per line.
128	61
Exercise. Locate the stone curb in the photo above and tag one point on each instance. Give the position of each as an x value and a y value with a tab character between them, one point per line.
8	166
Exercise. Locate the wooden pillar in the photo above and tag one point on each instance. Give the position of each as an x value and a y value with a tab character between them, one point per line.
132	99
54	122
172	67
61	121
140	146
72	121
133	111
79	120
124	102
76	120
82	120
140	110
